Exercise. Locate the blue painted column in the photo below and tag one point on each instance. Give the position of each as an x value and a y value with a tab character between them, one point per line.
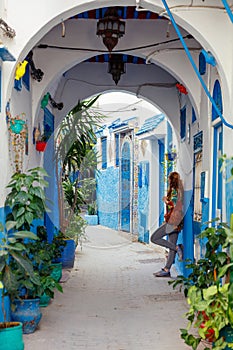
51	192
161	181
188	236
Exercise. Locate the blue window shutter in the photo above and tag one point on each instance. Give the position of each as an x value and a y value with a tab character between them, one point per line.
147	174
202	185
194	118
140	175
202	64
183	123
104	152
18	84
26	78
48	123
117	148
217	96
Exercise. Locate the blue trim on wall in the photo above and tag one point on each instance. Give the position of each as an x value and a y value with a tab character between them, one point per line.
51	192
143	203
117	148
107	193
104	152
217	97
161	180
26	78
202	63
229	192
183	123
186	237
217	175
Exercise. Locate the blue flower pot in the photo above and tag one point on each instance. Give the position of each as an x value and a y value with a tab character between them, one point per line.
57	271
91	219
68	254
227	333
11	337
44	300
28	312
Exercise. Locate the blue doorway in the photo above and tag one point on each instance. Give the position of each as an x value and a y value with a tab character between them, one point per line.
217	174
217	153
125	201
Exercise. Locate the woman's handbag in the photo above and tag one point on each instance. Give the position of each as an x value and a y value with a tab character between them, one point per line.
174	215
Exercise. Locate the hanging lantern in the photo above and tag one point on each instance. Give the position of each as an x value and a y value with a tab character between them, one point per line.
116	67
110	28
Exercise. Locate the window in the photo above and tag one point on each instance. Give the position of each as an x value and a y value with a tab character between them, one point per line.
104	152
117	149
194	118
26	78
202	64
183	123
217	96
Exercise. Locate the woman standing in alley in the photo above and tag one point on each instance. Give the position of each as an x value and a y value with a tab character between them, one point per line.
173	223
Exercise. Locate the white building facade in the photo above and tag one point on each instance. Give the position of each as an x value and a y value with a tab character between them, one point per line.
187	72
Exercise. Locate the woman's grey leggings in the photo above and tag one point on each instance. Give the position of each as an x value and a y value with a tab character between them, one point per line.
156	238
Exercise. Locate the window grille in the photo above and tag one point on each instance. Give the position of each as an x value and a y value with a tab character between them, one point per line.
104	152
183	123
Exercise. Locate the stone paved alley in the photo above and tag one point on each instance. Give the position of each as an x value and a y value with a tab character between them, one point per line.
112	300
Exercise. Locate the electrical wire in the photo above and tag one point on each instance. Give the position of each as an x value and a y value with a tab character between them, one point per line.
45	46
195	67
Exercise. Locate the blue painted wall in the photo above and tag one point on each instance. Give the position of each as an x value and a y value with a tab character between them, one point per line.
51	192
186	236
143	202
107	193
229	193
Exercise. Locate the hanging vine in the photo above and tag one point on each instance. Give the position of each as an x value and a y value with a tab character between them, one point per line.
18	134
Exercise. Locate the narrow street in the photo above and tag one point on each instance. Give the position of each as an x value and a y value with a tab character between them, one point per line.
111	300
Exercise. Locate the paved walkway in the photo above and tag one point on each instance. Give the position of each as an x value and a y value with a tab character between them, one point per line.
112	300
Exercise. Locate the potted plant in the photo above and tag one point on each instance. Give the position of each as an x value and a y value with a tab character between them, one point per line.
26	203
92	214
73	235
42	253
209	291
41	143
13	256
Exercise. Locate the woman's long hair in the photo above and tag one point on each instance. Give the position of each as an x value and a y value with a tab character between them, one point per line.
175	183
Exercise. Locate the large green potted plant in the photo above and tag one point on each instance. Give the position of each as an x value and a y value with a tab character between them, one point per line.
209	291
25	203
12	256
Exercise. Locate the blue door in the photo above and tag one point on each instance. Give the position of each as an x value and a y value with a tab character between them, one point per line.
125	187
217	153
217	174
